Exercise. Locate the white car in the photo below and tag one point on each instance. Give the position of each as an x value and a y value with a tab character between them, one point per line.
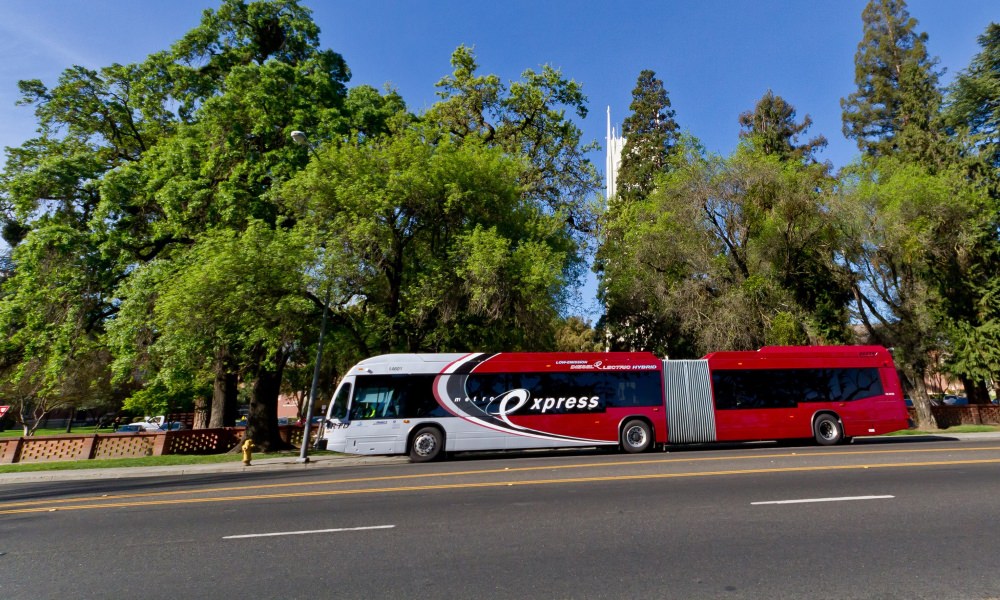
150	423
159	423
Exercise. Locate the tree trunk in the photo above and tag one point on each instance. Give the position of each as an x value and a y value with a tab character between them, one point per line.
262	421
976	391
224	391
230	407
24	419
921	401
201	407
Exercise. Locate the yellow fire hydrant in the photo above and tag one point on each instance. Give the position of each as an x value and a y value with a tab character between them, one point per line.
247	451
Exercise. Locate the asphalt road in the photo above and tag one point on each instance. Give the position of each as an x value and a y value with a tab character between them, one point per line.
876	520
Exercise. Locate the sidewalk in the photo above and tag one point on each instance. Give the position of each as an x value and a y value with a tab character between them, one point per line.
285	463
324	461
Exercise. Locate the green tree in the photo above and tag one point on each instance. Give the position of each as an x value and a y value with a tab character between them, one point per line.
58	298
241	291
430	244
144	162
771	124
973	102
650	133
896	115
895	108
574	334
900	223
806	270
52	312
728	253
526	118
154	192
631	320
973	112
230	77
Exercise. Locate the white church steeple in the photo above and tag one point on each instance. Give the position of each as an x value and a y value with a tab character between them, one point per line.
615	144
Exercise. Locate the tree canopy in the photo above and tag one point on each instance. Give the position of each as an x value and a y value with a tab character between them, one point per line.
164	219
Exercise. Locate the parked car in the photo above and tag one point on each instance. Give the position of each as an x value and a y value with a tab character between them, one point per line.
150	423
951	400
130	428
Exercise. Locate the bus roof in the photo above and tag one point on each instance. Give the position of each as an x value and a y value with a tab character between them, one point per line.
783	357
506	361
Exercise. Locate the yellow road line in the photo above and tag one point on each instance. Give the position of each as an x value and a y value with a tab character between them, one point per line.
659	461
493	484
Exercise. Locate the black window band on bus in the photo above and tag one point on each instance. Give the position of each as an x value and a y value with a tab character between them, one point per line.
395	397
412	396
602	389
787	388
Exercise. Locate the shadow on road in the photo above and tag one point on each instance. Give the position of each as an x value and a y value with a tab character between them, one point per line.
692	448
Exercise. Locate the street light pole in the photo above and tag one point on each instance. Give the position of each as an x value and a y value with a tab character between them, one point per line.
300	138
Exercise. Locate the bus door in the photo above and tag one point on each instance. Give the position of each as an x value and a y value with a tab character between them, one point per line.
375	426
335	427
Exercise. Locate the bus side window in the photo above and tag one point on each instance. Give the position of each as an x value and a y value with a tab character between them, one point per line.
368	401
358	410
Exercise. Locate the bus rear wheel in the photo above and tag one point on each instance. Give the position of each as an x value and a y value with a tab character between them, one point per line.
827	430
426	445
636	436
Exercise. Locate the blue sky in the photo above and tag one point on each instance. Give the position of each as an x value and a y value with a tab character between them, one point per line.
716	57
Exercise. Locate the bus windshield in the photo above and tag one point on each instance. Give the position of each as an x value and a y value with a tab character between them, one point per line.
338	410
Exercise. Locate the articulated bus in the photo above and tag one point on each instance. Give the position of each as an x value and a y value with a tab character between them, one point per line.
427	405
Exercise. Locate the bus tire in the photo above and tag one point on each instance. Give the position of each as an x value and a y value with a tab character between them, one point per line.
636	436
827	430
426	445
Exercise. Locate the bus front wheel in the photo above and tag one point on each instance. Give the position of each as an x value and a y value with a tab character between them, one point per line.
636	436
426	445
827	430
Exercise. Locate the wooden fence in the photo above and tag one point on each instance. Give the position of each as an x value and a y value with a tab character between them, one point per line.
129	445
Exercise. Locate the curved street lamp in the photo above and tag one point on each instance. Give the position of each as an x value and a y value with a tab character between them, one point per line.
300	138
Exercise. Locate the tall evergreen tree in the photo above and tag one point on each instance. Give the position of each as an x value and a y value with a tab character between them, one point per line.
631	322
772	127
895	117
650	135
974	98
896	104
807	271
970	283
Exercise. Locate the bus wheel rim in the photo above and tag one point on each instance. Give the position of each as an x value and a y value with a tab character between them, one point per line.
424	444
636	436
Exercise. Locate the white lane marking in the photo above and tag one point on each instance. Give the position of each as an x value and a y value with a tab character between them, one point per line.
806	500
257	535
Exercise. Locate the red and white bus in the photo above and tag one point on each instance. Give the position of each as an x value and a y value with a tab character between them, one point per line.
426	405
